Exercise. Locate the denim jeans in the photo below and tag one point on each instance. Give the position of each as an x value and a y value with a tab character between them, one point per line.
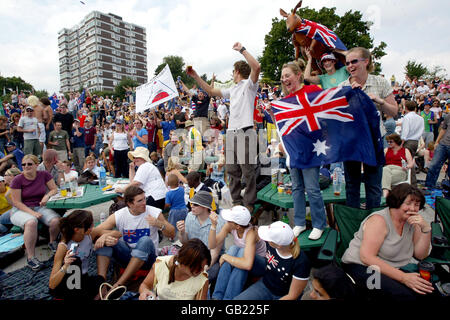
257	291
231	280
308	179
5	222
372	184
122	253
441	154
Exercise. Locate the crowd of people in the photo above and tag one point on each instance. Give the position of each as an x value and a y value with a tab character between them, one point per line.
174	155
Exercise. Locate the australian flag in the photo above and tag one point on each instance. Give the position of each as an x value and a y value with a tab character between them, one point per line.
328	126
314	30
131	237
81	99
54	101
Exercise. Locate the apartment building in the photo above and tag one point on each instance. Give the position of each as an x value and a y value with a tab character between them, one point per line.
99	51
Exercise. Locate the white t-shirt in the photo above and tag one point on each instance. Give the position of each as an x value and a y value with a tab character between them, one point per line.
106	134
436	111
222	111
69	176
242	103
134	227
421	90
152	182
28	123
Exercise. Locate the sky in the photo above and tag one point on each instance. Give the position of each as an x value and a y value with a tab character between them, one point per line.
203	32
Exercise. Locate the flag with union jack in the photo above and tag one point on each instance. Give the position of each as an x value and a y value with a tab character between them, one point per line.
81	99
132	236
329	126
54	101
319	32
193	105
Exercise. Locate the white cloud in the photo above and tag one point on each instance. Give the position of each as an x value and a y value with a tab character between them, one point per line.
203	31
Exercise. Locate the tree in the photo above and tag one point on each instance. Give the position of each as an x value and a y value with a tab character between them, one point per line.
41	93
350	28
415	69
176	65
119	90
437	71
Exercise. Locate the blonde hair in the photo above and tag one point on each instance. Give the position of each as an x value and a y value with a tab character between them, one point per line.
13	172
32	157
33	101
365	54
172	163
298	67
295	248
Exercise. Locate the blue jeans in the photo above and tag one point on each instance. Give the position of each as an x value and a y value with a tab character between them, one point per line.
441	154
257	291
122	253
372	184
231	280
308	179
5	222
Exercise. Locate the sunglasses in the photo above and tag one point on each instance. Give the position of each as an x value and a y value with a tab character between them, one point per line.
390	141
29	164
354	61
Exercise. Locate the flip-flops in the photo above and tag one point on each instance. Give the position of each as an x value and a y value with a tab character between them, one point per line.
113	293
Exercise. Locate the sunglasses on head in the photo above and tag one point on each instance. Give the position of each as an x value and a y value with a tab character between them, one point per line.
354	61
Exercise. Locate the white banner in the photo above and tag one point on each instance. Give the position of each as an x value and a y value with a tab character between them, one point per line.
158	90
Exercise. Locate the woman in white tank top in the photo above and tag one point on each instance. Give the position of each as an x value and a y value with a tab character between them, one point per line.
120	141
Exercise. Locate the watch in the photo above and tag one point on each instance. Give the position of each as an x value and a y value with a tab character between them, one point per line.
242	50
162	227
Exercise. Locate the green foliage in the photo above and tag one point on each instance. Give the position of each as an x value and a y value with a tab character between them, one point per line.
177	68
10	84
415	69
41	93
119	90
437	71
278	50
350	28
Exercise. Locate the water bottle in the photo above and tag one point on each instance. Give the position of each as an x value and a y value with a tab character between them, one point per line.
285	218
63	187
337	181
103	217
102	178
404	164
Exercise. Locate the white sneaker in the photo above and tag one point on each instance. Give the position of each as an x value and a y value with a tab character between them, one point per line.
315	234
298	229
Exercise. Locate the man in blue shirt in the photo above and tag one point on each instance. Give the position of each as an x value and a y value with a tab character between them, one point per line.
14	157
78	146
140	135
167	125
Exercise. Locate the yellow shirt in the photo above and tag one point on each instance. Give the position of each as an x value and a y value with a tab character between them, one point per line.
4	204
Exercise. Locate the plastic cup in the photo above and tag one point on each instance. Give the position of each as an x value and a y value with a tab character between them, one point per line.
426	269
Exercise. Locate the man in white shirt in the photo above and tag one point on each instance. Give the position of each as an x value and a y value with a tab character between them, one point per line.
137	245
412	129
28	124
222	112
242	98
422	88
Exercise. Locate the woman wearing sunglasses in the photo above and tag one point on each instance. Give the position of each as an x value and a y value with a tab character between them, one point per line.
359	64
398	162
29	197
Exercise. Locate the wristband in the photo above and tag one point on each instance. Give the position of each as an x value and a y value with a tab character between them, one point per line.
425	231
62	270
242	50
212	228
162	227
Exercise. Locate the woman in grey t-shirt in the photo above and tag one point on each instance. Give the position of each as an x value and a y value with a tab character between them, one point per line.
386	241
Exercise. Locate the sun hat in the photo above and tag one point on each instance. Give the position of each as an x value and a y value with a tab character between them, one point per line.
188	124
237	214
29	108
139	152
278	232
203	199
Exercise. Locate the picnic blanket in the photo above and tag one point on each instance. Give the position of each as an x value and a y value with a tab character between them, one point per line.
26	284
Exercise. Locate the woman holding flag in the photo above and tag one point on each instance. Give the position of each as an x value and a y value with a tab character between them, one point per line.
306	178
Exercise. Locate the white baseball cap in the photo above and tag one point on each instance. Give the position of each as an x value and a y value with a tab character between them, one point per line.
237	214
278	232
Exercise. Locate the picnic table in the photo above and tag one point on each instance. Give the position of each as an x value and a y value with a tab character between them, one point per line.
92	195
285	201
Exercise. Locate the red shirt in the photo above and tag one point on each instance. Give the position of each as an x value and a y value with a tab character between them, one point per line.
82	118
395	159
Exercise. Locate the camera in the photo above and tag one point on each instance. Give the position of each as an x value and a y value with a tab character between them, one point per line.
73	248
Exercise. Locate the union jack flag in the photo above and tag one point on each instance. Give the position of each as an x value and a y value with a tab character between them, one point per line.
298	109
193	105
314	30
271	259
133	236
328	126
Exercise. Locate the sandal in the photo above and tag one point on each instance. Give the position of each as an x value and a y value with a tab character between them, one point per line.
113	293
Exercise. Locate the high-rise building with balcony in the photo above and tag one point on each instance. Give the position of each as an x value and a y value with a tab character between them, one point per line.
100	51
